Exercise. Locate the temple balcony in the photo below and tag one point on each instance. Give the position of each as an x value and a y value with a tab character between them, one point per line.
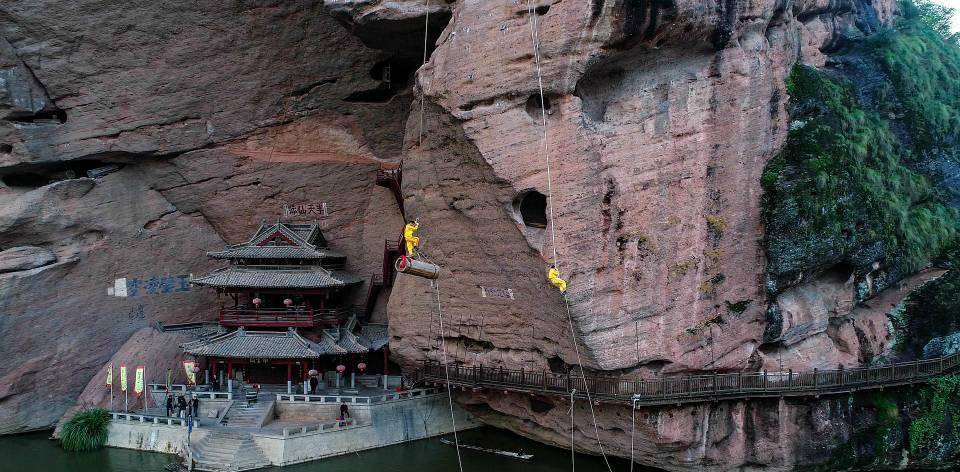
282	317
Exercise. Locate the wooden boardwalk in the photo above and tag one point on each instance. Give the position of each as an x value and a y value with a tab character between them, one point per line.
678	390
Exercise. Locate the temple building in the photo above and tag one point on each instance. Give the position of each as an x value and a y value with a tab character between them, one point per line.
286	312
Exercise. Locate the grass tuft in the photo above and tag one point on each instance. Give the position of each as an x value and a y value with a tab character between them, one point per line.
86	431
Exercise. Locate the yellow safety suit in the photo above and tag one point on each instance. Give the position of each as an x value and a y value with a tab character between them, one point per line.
554	275
409	235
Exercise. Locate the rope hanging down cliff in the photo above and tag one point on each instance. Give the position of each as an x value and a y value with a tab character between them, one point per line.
446	372
535	37
436	284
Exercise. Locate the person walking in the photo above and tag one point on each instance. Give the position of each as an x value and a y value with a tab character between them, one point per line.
195	406
313	384
169	404
344	411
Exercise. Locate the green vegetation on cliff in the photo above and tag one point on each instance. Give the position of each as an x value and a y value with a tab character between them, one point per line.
938	418
851	187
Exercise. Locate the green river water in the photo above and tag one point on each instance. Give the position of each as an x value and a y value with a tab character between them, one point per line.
34	452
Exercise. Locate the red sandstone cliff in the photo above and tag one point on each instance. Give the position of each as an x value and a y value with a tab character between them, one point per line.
661	116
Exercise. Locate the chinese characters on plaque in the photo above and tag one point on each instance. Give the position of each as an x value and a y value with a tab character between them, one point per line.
305	209
148	286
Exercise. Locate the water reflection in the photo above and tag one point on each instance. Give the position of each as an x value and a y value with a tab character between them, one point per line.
34	452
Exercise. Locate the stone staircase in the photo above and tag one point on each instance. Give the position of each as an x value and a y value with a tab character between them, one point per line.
227	450
244	415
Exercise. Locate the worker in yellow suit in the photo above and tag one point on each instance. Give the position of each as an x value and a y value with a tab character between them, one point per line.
410	236
554	276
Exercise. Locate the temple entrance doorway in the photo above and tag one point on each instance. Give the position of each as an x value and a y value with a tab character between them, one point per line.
266	373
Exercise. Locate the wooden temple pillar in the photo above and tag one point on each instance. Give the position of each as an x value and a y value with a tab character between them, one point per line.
289	377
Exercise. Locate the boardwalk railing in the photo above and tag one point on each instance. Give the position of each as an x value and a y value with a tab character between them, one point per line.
694	388
357	400
190	390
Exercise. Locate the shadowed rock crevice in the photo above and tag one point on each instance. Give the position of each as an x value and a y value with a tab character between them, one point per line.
30	176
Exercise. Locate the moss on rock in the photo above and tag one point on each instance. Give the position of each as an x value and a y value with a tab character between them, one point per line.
850	187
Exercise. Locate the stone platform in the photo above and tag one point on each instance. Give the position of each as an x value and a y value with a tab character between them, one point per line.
300	428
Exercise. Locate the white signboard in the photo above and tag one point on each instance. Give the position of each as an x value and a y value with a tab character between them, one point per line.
496	292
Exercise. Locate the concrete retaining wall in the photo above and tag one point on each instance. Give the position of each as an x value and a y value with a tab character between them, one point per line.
389	423
378	425
151	437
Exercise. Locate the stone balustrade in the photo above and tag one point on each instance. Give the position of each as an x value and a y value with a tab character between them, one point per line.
355	399
141	418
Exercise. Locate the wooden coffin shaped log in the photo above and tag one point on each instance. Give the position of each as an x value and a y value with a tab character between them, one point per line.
406	265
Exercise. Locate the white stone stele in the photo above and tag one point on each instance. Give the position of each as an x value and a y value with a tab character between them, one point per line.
378	424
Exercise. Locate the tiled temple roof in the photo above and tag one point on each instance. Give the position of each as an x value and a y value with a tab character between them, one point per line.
261	344
374	336
345	340
302	277
274	252
288	344
308	233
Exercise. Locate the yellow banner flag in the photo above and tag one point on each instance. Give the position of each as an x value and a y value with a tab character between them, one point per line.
110	375
191	375
138	380
123	378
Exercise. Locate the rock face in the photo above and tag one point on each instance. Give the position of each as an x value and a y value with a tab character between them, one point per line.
657	120
217	120
25	258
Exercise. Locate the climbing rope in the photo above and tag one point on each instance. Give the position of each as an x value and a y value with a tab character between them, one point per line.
573	428
633	431
423	95
446	373
436	283
535	37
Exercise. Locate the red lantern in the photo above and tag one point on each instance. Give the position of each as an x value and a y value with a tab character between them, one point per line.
362	367
287	301
341	368
257	302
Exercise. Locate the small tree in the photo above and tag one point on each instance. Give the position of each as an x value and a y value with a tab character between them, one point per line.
935	16
86	431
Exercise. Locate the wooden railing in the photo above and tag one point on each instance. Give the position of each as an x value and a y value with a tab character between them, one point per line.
267	317
282	317
391	177
693	388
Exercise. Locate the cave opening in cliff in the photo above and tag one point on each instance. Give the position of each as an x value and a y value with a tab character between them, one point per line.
533	106
394	76
532	207
43	116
